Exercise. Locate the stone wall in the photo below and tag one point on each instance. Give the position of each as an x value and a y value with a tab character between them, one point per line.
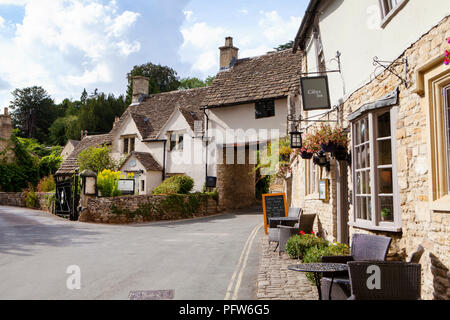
137	209
420	223
17	199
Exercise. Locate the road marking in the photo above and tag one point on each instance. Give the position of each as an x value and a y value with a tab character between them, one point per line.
245	253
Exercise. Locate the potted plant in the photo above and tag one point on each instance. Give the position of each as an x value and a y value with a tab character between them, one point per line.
385	214
310	146
341	153
320	159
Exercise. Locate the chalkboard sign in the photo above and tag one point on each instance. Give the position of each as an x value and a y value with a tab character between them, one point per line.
274	205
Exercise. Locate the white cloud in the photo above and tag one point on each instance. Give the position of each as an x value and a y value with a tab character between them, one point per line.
243	11
188	14
65	45
2	22
275	28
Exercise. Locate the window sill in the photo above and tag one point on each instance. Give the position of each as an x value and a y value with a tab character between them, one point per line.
385	21
441	205
374	228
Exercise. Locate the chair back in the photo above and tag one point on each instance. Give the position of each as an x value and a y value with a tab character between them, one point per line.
307	222
415	257
369	247
384	280
294	212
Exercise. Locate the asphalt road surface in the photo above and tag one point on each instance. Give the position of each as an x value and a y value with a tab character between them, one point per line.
201	259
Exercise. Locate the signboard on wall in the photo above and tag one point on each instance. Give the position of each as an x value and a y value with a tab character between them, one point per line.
274	205
126	186
315	93
324	189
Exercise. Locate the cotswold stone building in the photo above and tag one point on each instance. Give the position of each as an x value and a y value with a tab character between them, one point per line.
398	124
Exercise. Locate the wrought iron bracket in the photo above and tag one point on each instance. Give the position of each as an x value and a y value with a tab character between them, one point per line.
337	59
391	66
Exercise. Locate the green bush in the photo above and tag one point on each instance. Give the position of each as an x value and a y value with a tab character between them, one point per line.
175	185
31	199
108	183
46	184
96	159
315	254
297	245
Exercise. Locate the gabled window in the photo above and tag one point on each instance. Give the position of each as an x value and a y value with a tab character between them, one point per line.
176	141
128	144
265	109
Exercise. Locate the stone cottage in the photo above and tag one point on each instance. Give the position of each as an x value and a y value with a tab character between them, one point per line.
397	120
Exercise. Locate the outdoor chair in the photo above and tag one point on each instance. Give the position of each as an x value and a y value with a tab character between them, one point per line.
363	248
274	232
397	281
415	257
305	224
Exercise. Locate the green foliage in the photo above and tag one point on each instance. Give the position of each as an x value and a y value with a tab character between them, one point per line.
162	79
96	159
298	245
50	164
209	80
262	186
31	198
287	45
33	111
315	254
46	184
64	129
175	185
191	83
107	183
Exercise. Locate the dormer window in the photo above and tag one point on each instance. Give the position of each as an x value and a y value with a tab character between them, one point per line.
389	8
128	144
176	141
265	109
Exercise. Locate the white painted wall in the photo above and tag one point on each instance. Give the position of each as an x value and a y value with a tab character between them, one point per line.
152	178
353	28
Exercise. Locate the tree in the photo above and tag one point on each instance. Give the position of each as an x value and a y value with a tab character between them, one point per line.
162	79
191	83
96	159
287	45
64	129
209	80
33	112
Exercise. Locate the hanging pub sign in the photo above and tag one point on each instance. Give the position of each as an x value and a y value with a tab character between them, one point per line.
315	93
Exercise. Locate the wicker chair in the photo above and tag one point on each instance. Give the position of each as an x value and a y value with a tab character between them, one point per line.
398	280
274	232
305	224
415	257
364	247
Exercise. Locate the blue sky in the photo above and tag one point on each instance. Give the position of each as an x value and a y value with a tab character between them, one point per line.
68	45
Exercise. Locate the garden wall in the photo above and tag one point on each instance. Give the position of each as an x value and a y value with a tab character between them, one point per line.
136	209
17	199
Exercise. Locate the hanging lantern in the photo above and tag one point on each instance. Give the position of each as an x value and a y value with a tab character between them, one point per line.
296	140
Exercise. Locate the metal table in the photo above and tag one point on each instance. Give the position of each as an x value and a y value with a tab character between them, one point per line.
317	269
289	221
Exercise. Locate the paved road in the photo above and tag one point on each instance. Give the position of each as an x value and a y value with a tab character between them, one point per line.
197	258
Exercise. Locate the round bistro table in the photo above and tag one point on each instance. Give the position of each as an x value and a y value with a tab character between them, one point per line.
317	269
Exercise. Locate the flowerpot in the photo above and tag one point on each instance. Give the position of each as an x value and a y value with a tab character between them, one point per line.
330	147
340	153
306	155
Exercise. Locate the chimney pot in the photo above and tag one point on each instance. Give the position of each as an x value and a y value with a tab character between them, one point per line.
140	87
228	54
5	111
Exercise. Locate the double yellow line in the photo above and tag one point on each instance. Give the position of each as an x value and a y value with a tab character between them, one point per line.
240	268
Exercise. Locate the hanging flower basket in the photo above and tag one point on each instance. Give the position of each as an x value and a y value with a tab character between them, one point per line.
340	153
320	159
306	155
329	147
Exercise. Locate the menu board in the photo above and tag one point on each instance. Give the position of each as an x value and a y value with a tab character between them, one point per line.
274	205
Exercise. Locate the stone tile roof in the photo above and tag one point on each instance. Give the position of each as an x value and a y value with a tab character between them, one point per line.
269	76
70	164
192	116
147	160
153	113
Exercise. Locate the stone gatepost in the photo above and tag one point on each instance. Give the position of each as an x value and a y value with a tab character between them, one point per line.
88	189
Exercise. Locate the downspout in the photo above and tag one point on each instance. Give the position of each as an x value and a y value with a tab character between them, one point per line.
207	142
164	161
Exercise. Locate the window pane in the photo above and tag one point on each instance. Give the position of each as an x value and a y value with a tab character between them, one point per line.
355	133
369	208
131	145
385	180
384	152
368	156
386	208
358	183
180	142
173	141
363	131
363	157
384	125
125	145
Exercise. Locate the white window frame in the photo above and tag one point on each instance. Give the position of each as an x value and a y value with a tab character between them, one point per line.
128	138
388	12
177	135
375	223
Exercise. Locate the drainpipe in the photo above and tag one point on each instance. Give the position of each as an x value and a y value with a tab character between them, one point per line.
207	141
164	161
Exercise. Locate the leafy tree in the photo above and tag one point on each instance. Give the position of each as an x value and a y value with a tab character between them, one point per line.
287	45
162	79
48	165
96	159
209	80
190	83
64	129
33	112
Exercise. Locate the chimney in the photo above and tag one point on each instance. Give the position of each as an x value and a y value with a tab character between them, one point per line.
115	121
140	88
6	111
228	54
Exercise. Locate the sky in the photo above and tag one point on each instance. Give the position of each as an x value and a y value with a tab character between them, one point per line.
66	46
